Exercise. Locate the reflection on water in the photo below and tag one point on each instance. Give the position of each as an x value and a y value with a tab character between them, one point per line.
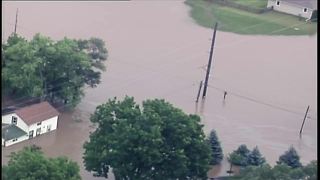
157	51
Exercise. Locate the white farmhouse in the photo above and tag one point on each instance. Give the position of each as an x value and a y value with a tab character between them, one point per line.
302	8
28	122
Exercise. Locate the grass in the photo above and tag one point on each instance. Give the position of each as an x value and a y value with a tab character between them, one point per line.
243	22
253	3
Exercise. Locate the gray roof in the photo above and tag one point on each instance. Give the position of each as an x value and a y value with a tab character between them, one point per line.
312	4
12	131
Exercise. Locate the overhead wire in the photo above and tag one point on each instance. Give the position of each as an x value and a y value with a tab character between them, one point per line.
278	30
258	101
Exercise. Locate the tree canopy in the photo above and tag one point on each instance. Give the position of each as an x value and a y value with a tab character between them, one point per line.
54	70
157	141
31	164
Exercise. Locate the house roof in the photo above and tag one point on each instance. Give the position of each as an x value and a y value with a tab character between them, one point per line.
312	4
37	113
12	131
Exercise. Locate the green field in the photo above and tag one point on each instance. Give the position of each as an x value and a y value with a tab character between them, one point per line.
243	22
253	3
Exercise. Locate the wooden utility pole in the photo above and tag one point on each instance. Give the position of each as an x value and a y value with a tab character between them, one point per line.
199	91
305	116
210	61
15	26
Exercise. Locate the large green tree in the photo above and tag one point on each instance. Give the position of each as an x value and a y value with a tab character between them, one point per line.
54	70
157	141
290	158
31	164
216	150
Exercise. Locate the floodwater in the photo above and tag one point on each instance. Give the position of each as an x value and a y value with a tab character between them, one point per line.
157	51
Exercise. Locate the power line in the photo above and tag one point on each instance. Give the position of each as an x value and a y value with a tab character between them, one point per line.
228	44
259	101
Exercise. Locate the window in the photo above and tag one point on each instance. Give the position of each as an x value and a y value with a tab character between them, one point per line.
38	132
30	134
49	128
39	123
278	3
14	120
305	9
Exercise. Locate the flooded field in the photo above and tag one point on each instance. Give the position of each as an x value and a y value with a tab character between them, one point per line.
157	51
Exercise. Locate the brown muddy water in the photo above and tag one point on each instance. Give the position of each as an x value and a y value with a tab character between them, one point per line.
157	51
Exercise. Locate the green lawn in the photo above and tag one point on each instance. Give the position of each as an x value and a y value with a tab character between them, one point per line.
243	22
253	3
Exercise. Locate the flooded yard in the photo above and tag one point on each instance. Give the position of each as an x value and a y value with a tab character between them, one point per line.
157	51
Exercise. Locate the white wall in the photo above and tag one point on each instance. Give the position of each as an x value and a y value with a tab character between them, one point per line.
20	123
7	118
44	124
290	8
22	138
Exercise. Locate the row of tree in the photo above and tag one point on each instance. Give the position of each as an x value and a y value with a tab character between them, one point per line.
279	171
244	157
53	70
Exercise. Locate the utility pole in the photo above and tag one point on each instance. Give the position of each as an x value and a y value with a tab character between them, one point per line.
210	61
199	91
305	116
15	26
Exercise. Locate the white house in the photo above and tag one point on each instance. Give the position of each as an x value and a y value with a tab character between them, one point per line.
28	122
301	8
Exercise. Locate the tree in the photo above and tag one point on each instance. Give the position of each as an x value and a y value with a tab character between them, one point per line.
240	156
255	173
20	69
157	141
30	163
216	150
280	171
311	170
54	70
95	48
255	158
243	150
291	158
